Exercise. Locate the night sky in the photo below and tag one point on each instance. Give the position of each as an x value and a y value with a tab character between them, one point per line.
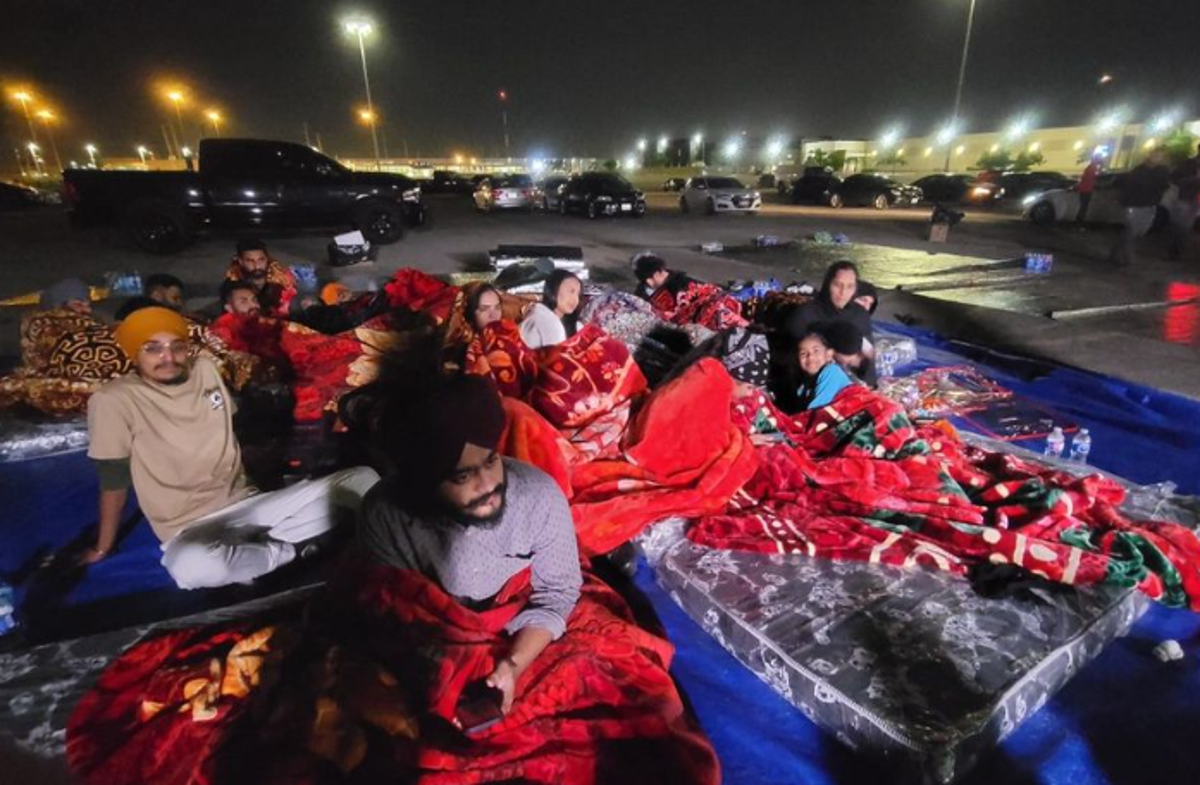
585	77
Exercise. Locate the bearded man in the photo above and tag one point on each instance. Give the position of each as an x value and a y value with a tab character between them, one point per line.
273	283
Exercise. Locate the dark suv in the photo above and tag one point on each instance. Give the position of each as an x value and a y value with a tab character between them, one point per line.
818	185
599	193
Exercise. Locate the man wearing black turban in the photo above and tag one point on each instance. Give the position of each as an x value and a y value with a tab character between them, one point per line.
453	509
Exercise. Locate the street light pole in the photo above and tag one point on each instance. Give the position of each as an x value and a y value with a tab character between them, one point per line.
24	98
361	30
962	75
46	116
504	120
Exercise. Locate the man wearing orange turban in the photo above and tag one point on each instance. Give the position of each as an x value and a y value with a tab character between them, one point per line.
167	430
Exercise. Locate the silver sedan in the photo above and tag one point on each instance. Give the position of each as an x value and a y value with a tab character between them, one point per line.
712	195
505	192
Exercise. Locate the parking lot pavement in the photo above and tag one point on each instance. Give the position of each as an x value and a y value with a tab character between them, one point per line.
971	287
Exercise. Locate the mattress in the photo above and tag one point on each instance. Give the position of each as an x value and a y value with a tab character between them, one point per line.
910	666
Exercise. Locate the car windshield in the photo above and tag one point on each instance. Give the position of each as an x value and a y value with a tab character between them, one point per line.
512	181
609	185
724	182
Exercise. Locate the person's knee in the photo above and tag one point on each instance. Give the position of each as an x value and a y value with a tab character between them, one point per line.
349	486
196	565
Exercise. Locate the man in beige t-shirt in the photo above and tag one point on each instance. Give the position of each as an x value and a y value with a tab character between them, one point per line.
167	430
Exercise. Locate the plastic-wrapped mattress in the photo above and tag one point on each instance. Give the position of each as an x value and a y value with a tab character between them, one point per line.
909	665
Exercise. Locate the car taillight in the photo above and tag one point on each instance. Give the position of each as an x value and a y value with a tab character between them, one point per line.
498	194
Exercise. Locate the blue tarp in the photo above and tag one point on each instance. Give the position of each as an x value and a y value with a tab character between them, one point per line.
1124	719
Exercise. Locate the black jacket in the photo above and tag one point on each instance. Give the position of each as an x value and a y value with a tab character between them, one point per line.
1144	186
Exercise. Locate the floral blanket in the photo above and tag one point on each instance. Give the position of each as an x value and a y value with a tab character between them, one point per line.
364	688
860	482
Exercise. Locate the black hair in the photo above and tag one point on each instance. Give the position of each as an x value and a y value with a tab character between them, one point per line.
550	289
162	281
250	244
834	269
229	287
135	303
647	265
473	300
817	331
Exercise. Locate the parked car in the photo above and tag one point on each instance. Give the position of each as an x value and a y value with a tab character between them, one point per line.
767	180
817	185
447	182
712	195
549	189
14	196
875	190
674	183
600	193
506	192
958	189
1019	185
244	184
1062	204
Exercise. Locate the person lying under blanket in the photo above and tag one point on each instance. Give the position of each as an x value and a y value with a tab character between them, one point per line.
462	642
166	429
682	300
65	353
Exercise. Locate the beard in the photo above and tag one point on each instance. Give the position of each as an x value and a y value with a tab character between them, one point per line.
465	516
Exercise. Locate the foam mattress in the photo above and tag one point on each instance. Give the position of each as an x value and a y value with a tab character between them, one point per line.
911	666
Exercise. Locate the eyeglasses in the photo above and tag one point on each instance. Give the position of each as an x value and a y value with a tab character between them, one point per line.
174	347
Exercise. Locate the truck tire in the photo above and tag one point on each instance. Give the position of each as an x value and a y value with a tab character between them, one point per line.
380	222
157	227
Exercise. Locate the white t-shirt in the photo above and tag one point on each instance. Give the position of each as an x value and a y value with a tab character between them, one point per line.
542	327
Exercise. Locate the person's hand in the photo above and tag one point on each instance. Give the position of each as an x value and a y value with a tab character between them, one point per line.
92	555
504	678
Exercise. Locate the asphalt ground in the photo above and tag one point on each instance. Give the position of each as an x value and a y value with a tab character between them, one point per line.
1085	312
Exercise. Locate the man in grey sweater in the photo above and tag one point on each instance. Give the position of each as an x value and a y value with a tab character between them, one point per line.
460	514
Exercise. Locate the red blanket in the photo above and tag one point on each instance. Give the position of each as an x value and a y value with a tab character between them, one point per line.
681	455
699	303
863	484
367	693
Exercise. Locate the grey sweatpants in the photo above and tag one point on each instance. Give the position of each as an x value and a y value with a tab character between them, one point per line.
258	534
1138	221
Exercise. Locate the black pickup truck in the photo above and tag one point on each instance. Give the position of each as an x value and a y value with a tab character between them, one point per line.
244	184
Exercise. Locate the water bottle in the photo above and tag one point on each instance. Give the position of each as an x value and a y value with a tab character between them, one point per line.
1055	443
887	363
8	618
1081	445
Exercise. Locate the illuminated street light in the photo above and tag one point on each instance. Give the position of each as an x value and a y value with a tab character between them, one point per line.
641	145
889	139
732	149
947	133
631	162
1018	129
24	97
177	97
91	151
214	117
47	117
187	152
1105	79
366	115
1163	123
662	144
1033	148
360	29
